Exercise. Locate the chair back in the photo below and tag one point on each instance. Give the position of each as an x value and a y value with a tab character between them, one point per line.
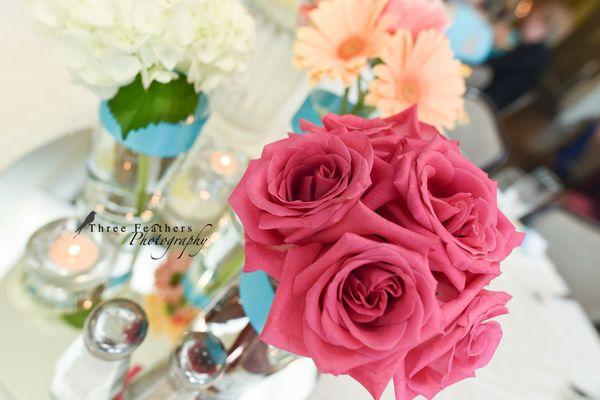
482	139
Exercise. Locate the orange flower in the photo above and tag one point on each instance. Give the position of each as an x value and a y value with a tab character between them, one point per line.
422	72
169	275
341	37
163	319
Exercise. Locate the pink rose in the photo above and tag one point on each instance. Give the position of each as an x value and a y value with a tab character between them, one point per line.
300	186
443	192
441	265
467	344
386	135
356	308
382	237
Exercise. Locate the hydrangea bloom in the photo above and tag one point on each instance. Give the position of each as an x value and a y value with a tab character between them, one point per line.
106	43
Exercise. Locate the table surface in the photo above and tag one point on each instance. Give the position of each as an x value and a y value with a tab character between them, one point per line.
548	345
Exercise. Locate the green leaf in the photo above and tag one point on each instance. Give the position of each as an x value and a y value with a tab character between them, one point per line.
135	107
77	318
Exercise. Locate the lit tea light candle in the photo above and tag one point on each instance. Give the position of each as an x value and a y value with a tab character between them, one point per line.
223	163
73	254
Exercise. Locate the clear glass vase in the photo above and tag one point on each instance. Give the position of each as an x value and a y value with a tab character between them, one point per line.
317	104
258	108
254	369
128	179
200	190
329	98
217	265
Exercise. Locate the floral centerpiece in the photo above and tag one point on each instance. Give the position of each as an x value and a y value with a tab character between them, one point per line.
151	61
392	54
382	237
151	58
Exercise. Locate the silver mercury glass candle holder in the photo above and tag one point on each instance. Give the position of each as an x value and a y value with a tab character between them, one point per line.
196	364
94	366
115	329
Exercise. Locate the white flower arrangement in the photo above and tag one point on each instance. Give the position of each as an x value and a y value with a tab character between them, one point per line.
105	44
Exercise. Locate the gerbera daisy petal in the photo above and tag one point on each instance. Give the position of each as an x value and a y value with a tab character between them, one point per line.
423	72
341	38
417	15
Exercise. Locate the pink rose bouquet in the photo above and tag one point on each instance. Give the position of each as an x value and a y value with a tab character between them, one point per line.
382	238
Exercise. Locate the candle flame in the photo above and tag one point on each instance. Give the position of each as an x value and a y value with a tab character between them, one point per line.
204	195
73	250
225	160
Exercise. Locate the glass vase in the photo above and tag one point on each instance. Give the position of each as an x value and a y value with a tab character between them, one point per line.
200	190
217	265
254	369
318	103
332	97
127	179
235	307
258	108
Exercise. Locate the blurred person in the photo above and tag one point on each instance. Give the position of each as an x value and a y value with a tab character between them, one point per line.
517	71
506	36
586	140
578	165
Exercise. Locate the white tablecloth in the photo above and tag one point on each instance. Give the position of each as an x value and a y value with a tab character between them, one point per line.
548	345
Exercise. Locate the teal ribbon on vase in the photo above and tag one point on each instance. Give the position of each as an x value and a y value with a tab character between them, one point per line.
321	102
257	294
159	140
190	293
318	103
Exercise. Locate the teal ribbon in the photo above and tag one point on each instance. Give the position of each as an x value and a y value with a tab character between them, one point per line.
159	140
256	294
318	103
191	294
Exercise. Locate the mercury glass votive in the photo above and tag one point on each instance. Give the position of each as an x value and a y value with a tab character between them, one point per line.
199	192
66	270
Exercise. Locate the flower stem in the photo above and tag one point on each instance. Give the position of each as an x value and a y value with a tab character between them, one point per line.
358	107
142	183
344	106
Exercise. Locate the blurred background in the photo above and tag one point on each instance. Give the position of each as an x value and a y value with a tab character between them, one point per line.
543	76
538	89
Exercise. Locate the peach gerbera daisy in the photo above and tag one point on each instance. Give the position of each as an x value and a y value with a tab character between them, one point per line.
422	72
341	37
417	15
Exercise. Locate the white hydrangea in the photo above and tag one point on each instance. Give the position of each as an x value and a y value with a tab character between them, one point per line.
227	52
105	44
